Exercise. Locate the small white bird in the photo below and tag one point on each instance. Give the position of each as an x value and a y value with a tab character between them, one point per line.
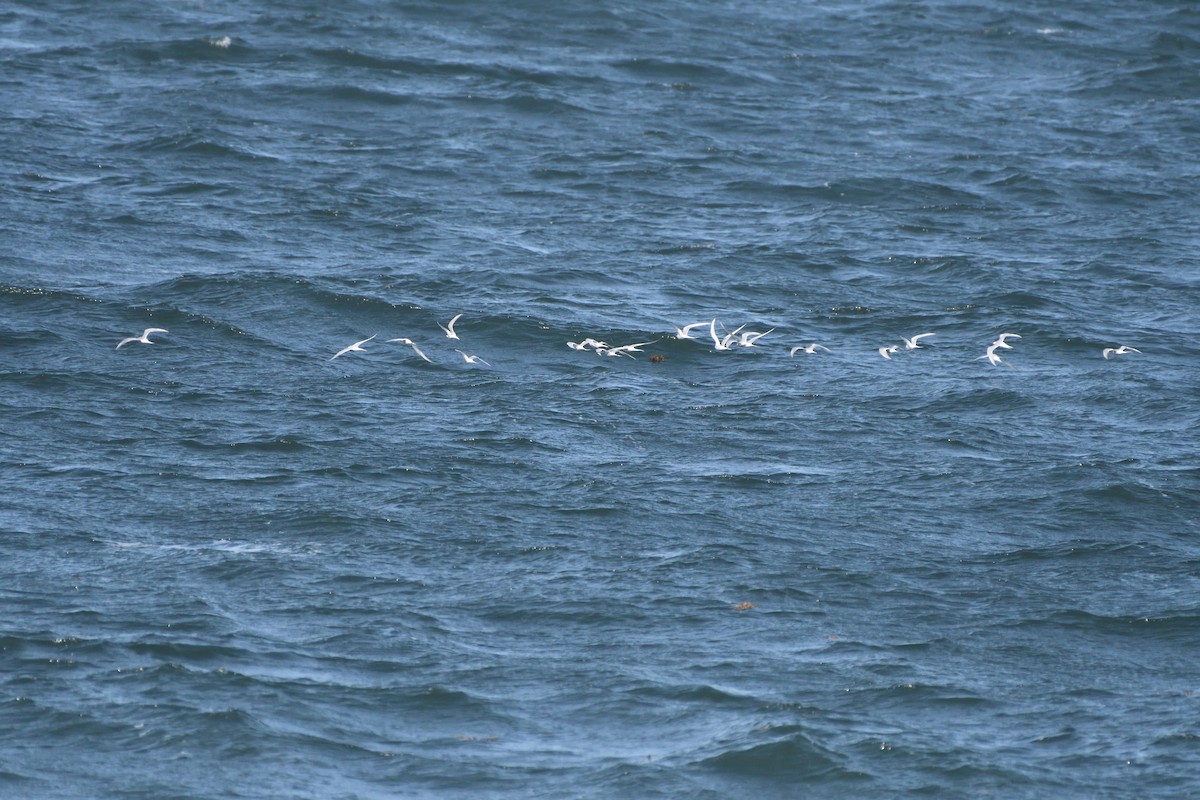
1119	351
357	346
1000	341
911	344
144	338
994	359
410	343
886	352
750	337
470	359
812	348
626	349
718	343
594	344
685	331
449	329
731	340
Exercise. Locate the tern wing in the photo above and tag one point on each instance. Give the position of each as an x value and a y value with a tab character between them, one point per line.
750	337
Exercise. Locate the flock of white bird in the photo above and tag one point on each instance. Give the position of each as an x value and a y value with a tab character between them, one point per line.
448	329
1001	343
740	337
725	340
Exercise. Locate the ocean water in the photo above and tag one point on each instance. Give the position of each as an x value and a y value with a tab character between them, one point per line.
232	566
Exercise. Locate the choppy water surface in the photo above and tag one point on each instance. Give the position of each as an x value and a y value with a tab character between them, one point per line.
236	568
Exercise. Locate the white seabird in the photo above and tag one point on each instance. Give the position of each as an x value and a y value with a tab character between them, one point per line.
145	337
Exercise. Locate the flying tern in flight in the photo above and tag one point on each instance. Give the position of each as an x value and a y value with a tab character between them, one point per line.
470	359
911	344
416	349
449	329
812	348
718	343
992	358
145	337
750	337
685	331
356	347
1119	351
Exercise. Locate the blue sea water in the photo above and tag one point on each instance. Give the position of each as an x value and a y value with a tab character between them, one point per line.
233	567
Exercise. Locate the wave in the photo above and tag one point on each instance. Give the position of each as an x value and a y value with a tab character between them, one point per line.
790	755
193	143
498	73
683	73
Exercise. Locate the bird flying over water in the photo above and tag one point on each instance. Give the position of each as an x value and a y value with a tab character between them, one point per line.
449	329
992	358
416	349
685	331
470	359
145	337
750	337
1119	351
356	347
911	344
